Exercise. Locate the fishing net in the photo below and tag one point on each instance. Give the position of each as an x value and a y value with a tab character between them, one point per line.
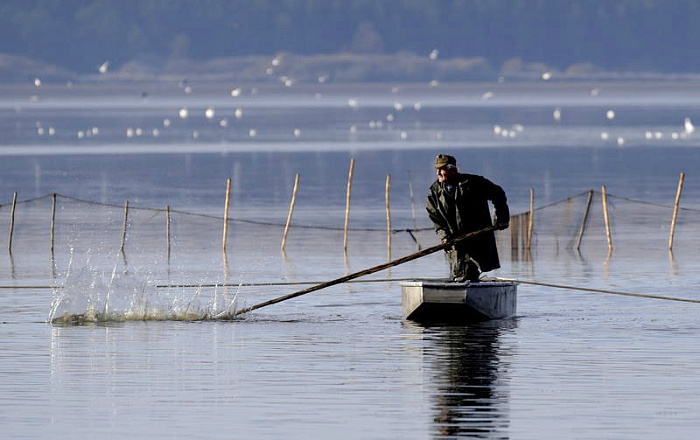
119	262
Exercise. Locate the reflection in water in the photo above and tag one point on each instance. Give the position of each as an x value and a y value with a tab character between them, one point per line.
470	399
673	264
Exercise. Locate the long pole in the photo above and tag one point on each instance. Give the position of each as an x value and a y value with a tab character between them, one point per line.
347	206
388	214
126	219
584	220
676	206
606	216
291	210
12	223
226	205
369	271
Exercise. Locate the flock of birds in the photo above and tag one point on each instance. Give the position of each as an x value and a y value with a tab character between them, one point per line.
210	113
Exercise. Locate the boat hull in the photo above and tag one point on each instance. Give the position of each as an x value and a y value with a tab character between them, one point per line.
439	301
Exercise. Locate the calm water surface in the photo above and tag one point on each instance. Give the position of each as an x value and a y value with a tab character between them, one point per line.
341	362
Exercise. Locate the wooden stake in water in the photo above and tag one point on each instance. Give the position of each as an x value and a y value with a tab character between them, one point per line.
413	211
514	231
12	223
167	227
531	220
226	205
676	207
413	205
584	220
388	215
606	216
347	206
126	220
53	220
291	210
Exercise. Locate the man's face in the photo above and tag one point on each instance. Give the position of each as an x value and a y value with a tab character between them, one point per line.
445	174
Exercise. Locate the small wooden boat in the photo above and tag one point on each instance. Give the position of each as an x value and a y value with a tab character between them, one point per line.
445	301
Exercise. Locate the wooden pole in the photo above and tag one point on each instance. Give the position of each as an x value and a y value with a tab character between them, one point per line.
676	206
291	210
369	271
347	206
413	211
606	215
413	204
167	227
584	220
12	223
53	221
226	206
126	219
514	230
530	220
387	188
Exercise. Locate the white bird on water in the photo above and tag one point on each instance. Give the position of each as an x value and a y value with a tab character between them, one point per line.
689	127
556	114
104	67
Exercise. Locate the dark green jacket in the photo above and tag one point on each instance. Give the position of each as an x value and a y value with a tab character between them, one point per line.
466	209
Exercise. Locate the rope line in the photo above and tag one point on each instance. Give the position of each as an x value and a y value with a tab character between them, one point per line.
549	205
610	292
658	205
208	285
384	280
233	220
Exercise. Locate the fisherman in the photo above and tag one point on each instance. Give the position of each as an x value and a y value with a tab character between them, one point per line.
458	204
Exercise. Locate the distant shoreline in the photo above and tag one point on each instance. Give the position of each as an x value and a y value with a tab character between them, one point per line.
290	69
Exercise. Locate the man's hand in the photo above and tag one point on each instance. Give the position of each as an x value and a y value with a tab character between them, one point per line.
449	249
503	225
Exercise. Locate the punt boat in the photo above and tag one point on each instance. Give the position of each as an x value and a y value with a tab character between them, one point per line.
432	301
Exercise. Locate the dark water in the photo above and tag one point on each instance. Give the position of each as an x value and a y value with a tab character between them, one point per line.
340	362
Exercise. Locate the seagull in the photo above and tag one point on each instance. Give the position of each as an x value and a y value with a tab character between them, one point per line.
104	67
556	114
689	127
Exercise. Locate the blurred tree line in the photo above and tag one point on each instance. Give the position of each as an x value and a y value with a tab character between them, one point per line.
654	35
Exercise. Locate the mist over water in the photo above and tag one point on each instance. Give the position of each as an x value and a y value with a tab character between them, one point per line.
154	353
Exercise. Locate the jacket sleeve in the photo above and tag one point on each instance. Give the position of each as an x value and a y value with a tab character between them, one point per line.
498	197
438	220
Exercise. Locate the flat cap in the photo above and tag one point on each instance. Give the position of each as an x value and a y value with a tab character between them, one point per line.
444	159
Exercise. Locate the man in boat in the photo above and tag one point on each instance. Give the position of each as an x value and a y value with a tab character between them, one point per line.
458	204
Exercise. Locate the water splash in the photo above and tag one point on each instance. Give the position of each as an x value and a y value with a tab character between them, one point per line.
94	295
